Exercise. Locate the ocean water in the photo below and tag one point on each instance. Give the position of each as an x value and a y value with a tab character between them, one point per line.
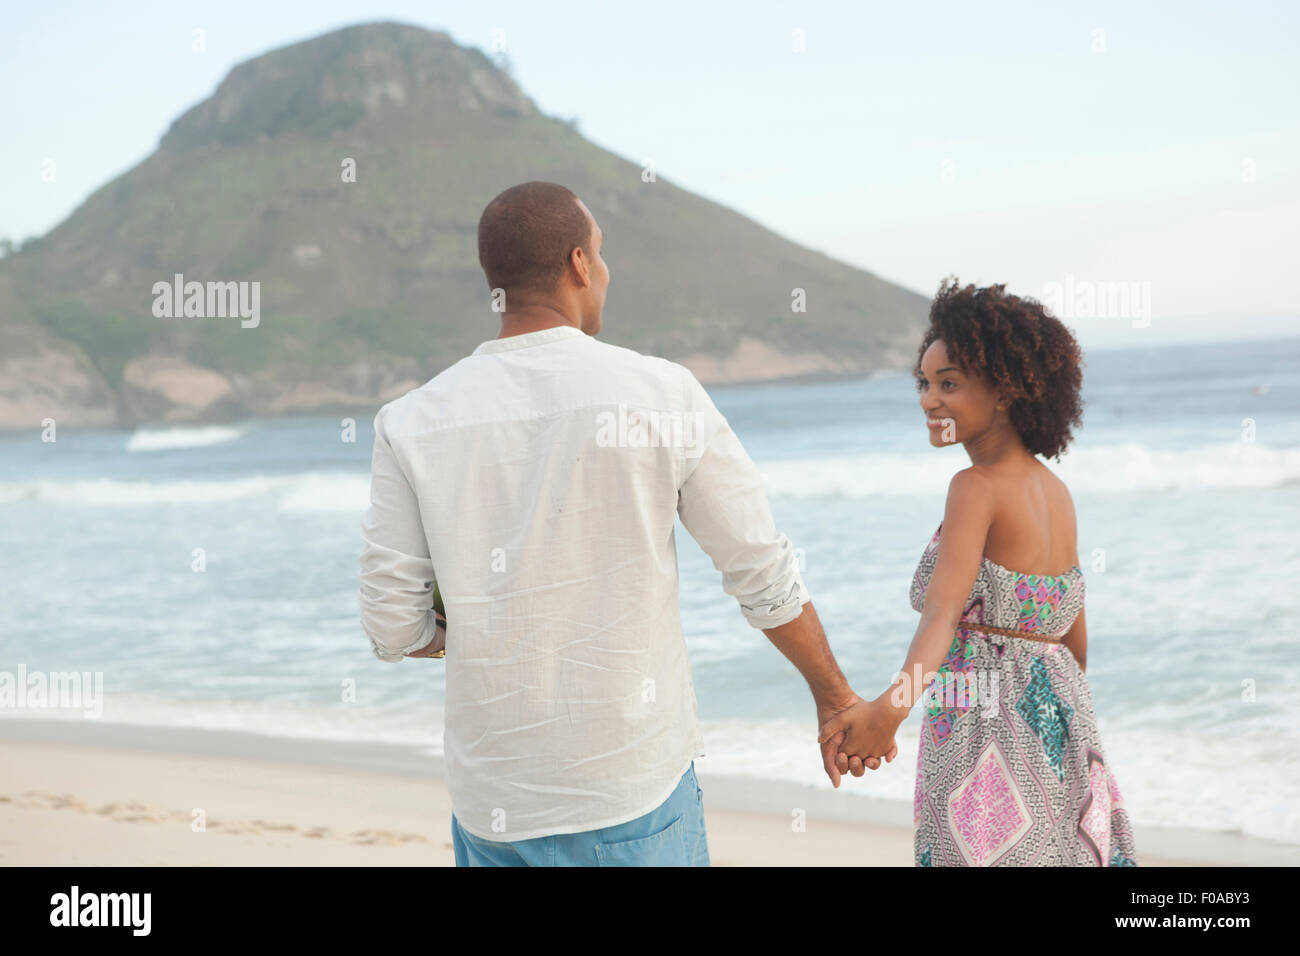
1186	480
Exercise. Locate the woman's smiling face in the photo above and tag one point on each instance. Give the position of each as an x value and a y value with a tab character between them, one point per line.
958	405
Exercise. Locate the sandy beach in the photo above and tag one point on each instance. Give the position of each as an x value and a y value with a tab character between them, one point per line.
89	793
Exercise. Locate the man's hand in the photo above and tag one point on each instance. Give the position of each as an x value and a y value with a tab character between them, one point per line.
439	642
803	642
854	738
831	742
826	709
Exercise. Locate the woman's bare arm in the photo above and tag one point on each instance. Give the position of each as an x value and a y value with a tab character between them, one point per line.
1076	639
966	520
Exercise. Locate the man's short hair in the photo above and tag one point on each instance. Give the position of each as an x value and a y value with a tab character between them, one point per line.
526	234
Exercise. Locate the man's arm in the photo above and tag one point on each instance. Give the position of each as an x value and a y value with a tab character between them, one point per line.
723	504
804	643
396	593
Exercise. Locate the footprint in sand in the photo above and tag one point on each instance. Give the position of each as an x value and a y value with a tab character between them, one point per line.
274	826
147	813
386	838
60	800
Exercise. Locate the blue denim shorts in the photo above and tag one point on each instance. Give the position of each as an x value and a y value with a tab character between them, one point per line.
672	834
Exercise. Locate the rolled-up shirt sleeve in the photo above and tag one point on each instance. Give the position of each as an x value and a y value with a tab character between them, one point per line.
723	504
396	592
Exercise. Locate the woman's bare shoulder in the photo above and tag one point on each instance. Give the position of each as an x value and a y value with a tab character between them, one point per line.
1061	503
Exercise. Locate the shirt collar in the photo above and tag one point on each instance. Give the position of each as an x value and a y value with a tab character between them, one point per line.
540	337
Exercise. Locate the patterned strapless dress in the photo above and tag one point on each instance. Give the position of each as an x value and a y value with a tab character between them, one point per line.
1010	769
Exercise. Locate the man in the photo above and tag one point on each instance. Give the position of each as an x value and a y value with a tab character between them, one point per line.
537	481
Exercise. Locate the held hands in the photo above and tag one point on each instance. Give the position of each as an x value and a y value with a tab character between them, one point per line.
855	735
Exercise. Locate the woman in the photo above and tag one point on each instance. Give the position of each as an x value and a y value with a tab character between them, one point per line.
1010	768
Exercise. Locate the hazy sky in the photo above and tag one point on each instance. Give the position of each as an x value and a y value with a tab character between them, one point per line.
1152	144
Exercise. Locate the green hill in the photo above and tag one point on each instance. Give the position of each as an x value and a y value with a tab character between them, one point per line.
370	287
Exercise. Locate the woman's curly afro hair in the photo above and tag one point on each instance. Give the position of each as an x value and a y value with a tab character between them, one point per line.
1025	353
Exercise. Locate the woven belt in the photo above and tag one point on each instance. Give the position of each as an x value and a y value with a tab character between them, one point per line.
1009	632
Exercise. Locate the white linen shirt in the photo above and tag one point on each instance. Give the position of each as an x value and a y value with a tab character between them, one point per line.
540	476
